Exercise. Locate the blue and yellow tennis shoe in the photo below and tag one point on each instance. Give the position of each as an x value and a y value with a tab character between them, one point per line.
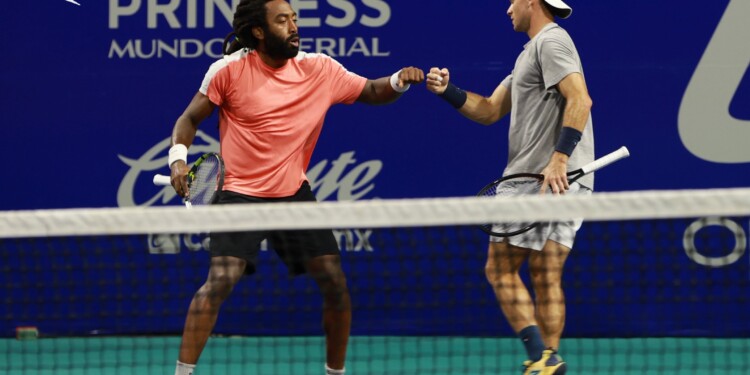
550	364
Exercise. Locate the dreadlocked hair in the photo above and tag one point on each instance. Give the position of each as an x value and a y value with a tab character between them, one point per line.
249	14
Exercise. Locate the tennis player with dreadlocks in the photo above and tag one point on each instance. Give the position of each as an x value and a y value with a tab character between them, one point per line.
272	100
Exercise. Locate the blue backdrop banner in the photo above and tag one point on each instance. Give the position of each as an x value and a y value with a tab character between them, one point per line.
92	92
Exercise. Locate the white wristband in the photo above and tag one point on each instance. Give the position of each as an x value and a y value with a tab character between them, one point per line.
394	83
177	152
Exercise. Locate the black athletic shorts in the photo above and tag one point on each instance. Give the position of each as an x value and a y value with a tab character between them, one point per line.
294	247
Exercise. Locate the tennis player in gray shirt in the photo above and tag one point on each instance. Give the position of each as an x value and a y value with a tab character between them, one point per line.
550	133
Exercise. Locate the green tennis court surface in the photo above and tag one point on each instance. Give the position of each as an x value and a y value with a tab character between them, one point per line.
369	355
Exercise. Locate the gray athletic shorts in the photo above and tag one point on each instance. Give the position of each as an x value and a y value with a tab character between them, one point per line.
562	232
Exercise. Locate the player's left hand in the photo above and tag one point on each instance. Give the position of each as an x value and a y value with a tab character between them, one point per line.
555	174
410	75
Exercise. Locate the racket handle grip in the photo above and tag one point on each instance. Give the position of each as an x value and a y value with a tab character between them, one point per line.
606	160
162	180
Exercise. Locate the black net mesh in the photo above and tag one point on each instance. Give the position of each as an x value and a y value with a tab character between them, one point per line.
642	296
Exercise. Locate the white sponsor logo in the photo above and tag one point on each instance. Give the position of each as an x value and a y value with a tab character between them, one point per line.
344	179
194	48
215	15
73	2
706	127
721	255
692	251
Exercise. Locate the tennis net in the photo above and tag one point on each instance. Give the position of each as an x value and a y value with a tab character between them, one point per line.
657	282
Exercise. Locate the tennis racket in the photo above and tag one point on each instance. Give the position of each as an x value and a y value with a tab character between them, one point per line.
205	179
531	183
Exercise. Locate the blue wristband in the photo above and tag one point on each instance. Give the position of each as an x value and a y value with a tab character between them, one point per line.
455	96
568	140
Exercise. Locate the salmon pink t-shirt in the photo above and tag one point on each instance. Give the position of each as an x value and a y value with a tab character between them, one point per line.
270	119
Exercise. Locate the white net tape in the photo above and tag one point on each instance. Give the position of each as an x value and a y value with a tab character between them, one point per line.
633	205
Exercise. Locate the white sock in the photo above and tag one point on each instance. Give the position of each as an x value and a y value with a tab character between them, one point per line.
330	371
184	369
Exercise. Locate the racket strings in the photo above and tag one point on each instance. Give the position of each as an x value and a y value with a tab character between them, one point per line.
519	186
204	181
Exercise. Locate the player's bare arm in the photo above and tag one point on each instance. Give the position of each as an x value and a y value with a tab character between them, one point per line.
387	89
483	110
185	127
578	103
577	110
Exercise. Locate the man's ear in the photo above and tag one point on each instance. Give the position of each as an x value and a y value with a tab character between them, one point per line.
258	32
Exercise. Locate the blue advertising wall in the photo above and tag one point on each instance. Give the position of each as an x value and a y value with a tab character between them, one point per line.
91	91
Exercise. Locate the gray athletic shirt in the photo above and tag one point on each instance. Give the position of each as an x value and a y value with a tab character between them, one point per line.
537	106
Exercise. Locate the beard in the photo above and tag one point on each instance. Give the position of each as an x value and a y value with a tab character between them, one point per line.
279	48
